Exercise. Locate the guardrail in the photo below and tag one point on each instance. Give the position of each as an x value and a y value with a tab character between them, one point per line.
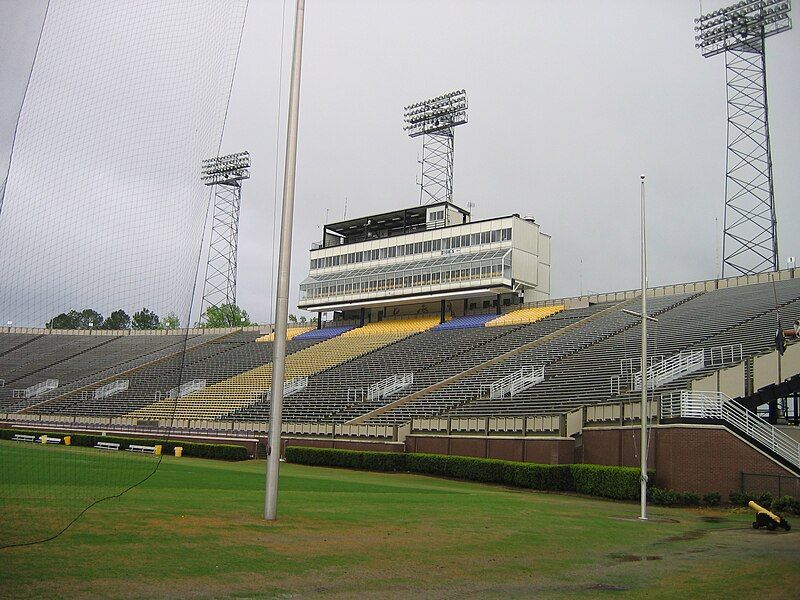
40	388
719	406
115	387
674	367
527	425
390	385
186	388
516	382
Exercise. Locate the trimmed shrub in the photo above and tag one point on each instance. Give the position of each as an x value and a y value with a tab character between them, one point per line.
228	452
712	499
620	483
672	498
786	504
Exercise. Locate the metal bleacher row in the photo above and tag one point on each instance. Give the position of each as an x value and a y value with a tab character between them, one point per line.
452	363
76	360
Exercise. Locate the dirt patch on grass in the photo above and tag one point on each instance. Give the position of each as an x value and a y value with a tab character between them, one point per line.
635	557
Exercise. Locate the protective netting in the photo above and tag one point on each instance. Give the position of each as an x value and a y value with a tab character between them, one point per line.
102	230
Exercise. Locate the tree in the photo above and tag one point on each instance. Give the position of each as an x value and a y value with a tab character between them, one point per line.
303	320
76	320
118	319
171	321
226	315
145	319
292	319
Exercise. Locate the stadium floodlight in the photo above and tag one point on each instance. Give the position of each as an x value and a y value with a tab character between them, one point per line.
435	119
225	174
740	25
750	233
225	169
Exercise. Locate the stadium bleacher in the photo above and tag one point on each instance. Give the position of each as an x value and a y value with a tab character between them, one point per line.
453	363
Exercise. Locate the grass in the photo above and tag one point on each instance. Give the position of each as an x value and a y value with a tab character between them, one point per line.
194	529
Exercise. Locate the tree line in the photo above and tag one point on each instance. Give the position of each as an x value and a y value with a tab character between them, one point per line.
226	315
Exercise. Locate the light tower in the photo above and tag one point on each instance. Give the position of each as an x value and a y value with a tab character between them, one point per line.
226	174
435	119
750	236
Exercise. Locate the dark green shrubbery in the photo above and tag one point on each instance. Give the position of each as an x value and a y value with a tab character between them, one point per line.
742	498
787	504
712	499
621	483
672	498
216	451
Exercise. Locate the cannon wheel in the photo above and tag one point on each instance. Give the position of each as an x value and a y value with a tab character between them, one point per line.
755	524
772	525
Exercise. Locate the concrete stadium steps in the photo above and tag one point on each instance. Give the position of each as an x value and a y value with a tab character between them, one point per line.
483	357
594	328
729	316
98	363
528	314
247	388
12	341
328	392
214	360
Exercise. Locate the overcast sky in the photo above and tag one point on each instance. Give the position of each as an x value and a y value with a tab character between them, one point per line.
569	103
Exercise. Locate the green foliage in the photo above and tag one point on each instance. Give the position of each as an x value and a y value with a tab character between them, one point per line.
609	482
76	320
199	450
292	318
787	504
226	315
664	497
742	498
145	319
712	499
171	321
118	319
619	483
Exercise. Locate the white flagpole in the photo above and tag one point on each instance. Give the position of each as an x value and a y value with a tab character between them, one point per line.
284	264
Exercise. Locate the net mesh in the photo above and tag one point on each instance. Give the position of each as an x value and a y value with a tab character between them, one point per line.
103	211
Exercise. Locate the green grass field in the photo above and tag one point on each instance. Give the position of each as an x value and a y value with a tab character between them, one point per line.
195	530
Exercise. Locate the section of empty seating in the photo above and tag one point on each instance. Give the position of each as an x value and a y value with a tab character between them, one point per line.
12	341
527	314
568	342
743	315
323	334
217	359
334	393
249	387
291	333
465	322
78	360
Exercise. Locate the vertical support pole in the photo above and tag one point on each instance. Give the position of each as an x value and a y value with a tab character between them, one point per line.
361	317
284	264
319	320
643	411
498	304
441	312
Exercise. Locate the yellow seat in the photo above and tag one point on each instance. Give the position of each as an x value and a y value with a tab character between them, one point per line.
247	388
522	316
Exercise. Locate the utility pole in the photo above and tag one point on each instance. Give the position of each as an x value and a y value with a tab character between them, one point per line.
643	412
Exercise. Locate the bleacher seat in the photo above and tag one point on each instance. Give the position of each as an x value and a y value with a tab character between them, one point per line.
528	314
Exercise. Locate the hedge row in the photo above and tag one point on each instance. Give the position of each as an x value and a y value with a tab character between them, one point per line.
216	451
620	483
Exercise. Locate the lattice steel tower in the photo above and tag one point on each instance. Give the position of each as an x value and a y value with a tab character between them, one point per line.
226	174
750	234
435	119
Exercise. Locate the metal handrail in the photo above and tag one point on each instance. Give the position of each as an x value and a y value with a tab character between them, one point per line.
717	405
516	382
390	385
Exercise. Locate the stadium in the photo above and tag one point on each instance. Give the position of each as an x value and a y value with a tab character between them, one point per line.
448	422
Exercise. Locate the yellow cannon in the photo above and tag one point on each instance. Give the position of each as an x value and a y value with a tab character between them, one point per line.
765	518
